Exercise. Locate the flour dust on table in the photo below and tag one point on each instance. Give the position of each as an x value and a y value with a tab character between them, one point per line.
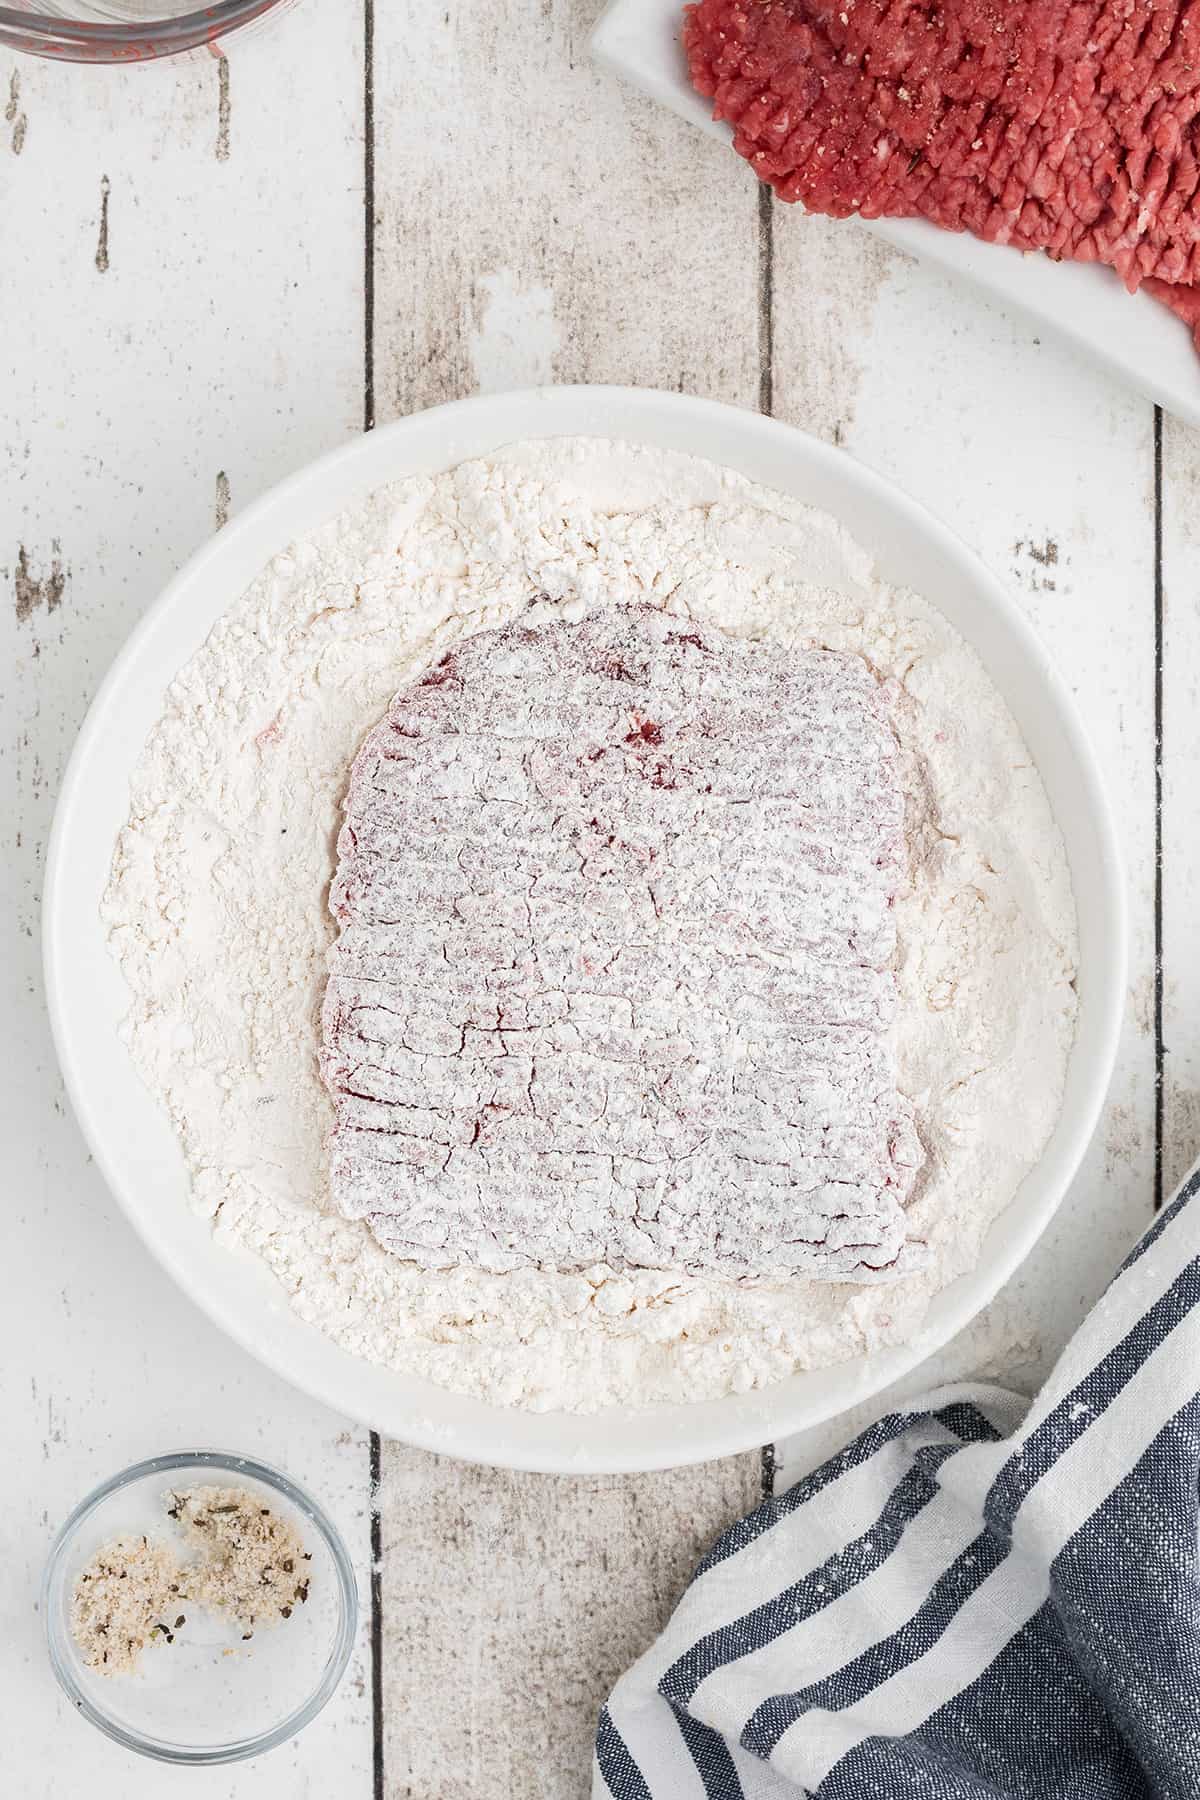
694	940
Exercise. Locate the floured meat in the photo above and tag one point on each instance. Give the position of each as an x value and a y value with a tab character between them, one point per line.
612	981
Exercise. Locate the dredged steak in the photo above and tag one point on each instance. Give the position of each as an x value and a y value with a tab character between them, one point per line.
612	980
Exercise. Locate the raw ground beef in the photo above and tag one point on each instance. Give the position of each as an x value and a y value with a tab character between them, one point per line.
1068	128
612	982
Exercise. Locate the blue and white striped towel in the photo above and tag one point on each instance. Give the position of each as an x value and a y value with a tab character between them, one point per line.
980	1599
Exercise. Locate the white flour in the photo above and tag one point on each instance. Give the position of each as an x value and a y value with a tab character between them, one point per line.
217	907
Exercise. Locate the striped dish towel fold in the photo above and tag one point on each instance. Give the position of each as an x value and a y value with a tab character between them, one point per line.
979	1599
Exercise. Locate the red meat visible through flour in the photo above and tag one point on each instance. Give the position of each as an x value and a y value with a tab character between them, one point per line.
612	982
1068	126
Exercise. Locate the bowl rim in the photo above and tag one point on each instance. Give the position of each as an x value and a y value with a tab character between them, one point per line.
96	41
57	1629
406	1407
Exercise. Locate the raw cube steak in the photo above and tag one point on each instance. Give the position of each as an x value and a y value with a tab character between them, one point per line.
612	981
1069	126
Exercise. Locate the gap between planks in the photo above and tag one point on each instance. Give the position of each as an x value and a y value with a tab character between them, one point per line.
504	1605
1159	1049
374	1444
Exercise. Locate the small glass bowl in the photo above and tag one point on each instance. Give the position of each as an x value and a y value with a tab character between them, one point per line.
98	31
210	1697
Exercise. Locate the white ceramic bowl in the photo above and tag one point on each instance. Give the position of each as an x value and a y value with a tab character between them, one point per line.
131	1138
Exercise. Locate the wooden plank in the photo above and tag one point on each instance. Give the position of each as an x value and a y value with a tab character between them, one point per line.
513	1602
182	295
1046	468
1178	1007
537	222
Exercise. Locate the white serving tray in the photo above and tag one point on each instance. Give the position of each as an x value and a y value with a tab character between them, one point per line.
1134	337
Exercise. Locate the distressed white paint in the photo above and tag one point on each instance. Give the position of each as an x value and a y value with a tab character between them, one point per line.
513	175
217	332
530	1595
517	338
1181	799
534	223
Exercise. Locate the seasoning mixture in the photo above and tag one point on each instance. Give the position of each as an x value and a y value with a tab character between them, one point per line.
218	912
233	1557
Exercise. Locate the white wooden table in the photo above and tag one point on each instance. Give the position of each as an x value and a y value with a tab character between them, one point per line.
212	270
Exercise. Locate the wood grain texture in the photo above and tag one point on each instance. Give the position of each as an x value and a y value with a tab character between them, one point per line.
1179	993
538	222
180	332
513	1602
